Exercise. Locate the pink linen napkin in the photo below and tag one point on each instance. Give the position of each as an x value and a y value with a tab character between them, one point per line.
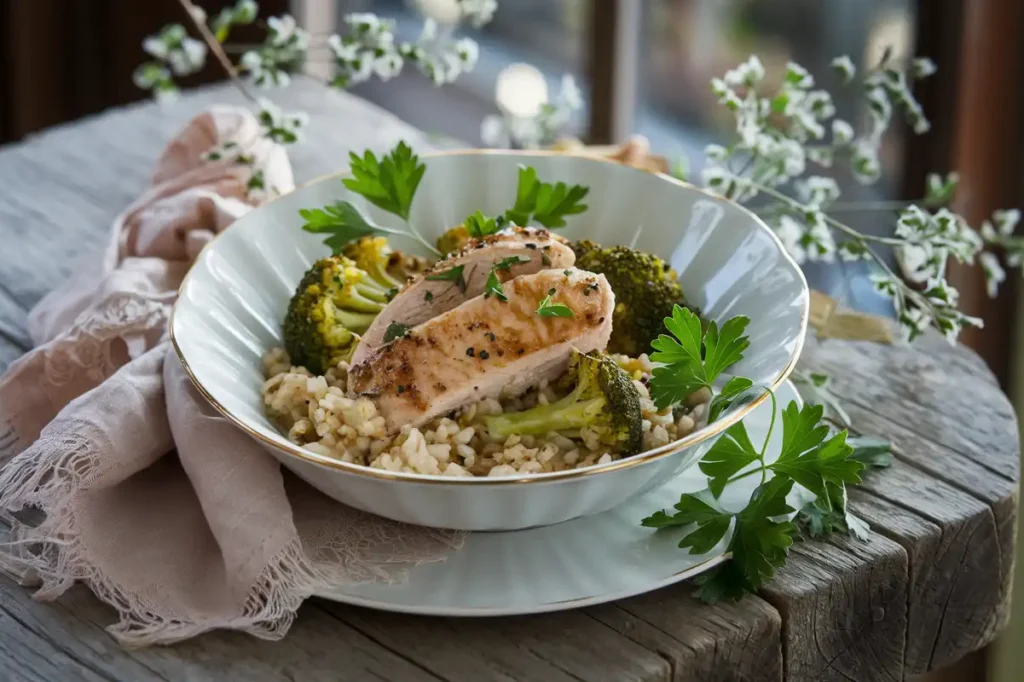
164	509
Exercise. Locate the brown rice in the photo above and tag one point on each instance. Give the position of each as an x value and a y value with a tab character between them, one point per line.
316	414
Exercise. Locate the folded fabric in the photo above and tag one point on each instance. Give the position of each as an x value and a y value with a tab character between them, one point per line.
164	509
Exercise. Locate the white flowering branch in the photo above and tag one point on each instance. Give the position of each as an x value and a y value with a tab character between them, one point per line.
781	132
368	48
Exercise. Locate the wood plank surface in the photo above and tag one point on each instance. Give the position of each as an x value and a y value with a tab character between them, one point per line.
931	584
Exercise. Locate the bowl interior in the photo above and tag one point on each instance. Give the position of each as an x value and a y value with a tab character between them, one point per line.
232	302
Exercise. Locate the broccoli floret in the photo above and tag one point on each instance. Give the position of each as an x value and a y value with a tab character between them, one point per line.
374	256
603	398
453	240
646	289
332	305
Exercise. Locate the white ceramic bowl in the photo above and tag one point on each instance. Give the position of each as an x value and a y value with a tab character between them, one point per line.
231	304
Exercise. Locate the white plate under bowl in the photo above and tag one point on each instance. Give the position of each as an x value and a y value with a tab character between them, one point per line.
234	297
578	563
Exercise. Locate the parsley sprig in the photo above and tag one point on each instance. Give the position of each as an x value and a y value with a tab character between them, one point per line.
389	183
812	456
544	202
692	359
762	532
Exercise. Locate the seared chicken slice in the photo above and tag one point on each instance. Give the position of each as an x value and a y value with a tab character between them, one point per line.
486	346
440	288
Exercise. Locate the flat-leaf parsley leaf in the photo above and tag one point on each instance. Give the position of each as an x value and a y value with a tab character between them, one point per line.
544	202
693	359
389	183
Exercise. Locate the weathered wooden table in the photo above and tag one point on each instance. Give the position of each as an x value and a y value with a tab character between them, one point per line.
930	585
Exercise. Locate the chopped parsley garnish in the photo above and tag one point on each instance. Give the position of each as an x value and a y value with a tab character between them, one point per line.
395	330
549	309
492	287
452	275
429	296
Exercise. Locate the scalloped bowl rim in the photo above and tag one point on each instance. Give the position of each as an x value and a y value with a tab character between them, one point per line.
282	444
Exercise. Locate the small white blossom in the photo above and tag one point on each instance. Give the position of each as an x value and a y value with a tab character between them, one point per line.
1006	221
923	67
189	58
715	152
469	53
818	190
823	156
880	108
478	12
844	66
798	77
749	73
842	132
820	244
866	166
791	234
714	177
388	66
282	29
155	47
279	126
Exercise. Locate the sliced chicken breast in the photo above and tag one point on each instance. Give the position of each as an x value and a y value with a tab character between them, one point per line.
440	288
487	346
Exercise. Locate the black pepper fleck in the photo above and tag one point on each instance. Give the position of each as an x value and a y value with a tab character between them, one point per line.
522	350
491	336
551	291
401	389
531	246
501	353
484	355
429	296
470	351
547	247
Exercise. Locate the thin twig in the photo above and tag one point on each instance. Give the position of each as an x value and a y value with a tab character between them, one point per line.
216	49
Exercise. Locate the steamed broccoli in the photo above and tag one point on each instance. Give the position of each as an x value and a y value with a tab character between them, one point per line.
374	256
334	303
646	289
452	240
603	399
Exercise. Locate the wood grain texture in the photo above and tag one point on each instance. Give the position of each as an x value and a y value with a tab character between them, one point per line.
930	585
844	610
950	499
726	642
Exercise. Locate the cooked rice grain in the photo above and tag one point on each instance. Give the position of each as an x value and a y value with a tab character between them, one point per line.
317	415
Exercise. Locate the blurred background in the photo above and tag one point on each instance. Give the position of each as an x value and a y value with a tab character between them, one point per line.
643	66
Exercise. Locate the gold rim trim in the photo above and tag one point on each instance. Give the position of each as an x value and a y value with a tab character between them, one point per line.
709	431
